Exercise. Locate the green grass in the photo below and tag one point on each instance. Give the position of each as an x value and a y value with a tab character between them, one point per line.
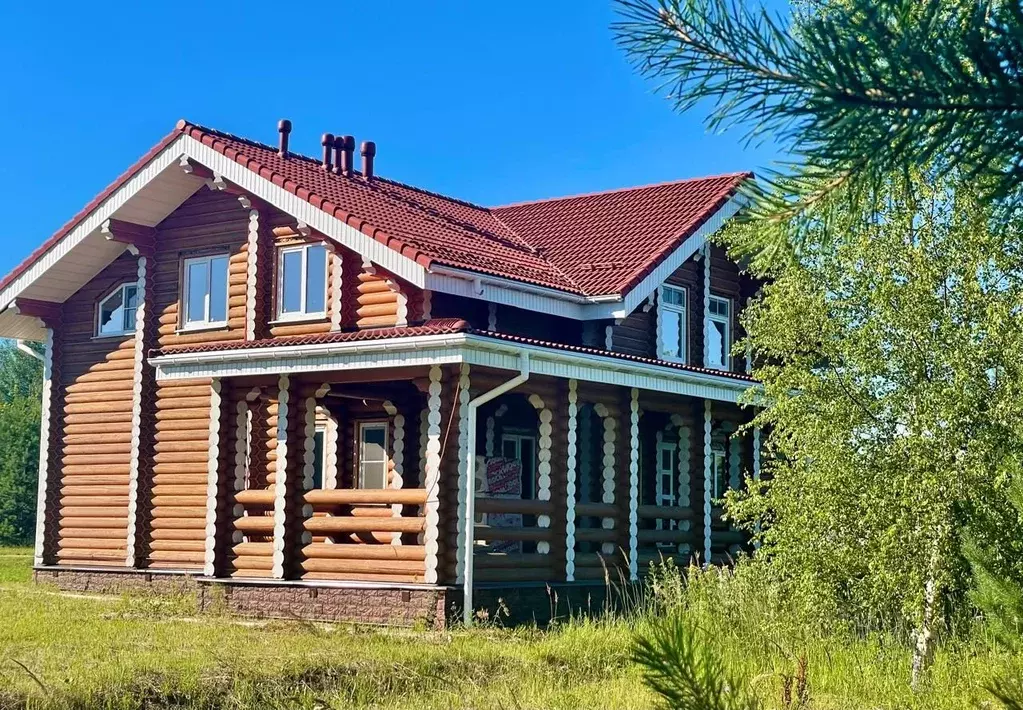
67	651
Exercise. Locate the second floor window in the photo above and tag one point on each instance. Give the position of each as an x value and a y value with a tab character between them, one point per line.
673	324
302	282
719	332
116	312
205	292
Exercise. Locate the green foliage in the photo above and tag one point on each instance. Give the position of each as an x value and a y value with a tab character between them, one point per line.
681	668
20	391
19	469
858	90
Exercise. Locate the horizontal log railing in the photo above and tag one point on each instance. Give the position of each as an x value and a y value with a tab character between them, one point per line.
496	565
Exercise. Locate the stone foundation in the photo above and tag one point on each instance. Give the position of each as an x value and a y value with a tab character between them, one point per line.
431	607
366	605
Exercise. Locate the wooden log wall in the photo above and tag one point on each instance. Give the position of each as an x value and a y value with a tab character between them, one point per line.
380	302
94	457
251	526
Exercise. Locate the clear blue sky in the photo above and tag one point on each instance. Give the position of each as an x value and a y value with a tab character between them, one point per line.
493	102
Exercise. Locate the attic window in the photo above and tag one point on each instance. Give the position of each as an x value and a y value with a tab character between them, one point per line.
673	324
116	312
302	282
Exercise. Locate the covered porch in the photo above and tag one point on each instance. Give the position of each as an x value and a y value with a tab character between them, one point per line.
466	463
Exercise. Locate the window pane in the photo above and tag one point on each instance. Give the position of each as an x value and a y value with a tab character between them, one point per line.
666	460
195	305
509	450
316	280
129	320
374	474
111	314
218	289
291	282
671	334
717	344
674	296
131	294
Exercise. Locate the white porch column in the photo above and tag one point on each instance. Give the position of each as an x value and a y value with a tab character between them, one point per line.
634	485
463	470
281	477
708	468
570	488
431	476
44	450
543	468
608	472
684	495
209	567
136	409
756	474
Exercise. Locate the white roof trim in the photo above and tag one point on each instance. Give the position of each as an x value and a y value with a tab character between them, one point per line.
92	221
446	349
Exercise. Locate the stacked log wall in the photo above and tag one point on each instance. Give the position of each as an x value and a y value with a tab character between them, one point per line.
207	223
95	381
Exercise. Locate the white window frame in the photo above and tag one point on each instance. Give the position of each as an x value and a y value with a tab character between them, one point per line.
124	300
359	429
719	469
666	498
683	311
205	323
517	438
304	284
726	321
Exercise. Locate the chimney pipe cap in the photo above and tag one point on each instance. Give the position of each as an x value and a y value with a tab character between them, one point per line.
368	148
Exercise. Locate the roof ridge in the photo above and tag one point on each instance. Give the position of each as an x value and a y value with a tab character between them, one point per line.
618	190
398	200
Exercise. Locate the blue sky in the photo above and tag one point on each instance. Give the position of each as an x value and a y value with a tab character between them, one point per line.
487	101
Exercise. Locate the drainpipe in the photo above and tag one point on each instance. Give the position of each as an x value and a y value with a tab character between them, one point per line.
470	478
28	350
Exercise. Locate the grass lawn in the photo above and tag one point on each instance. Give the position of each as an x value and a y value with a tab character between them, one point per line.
68	651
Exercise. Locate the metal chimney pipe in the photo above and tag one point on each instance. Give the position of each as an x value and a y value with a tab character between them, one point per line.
369	150
348	156
327	141
284	129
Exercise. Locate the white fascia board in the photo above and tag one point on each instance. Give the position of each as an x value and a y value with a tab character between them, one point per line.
601	369
293	359
300	209
492	289
164	159
442	350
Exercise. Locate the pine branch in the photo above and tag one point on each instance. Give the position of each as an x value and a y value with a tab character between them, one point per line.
856	92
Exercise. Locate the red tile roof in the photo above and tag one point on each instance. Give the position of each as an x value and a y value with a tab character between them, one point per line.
437	326
588	245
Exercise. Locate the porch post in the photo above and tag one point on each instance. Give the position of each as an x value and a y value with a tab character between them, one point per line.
684	497
756	474
608	472
431	476
281	478
708	465
634	485
44	453
209	568
543	469
141	283
570	487
463	529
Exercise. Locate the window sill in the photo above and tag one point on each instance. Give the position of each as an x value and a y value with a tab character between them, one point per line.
203	328
315	318
111	336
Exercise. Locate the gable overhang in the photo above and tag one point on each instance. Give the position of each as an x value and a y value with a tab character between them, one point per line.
426	350
147	197
613	306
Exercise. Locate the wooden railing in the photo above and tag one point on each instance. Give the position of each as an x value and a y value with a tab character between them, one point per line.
353	534
532	566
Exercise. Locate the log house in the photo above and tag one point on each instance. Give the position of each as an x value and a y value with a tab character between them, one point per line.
300	381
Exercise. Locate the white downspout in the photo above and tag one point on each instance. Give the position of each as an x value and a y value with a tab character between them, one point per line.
470	479
28	350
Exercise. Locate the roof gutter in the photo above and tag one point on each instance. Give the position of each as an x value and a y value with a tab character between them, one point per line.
470	481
